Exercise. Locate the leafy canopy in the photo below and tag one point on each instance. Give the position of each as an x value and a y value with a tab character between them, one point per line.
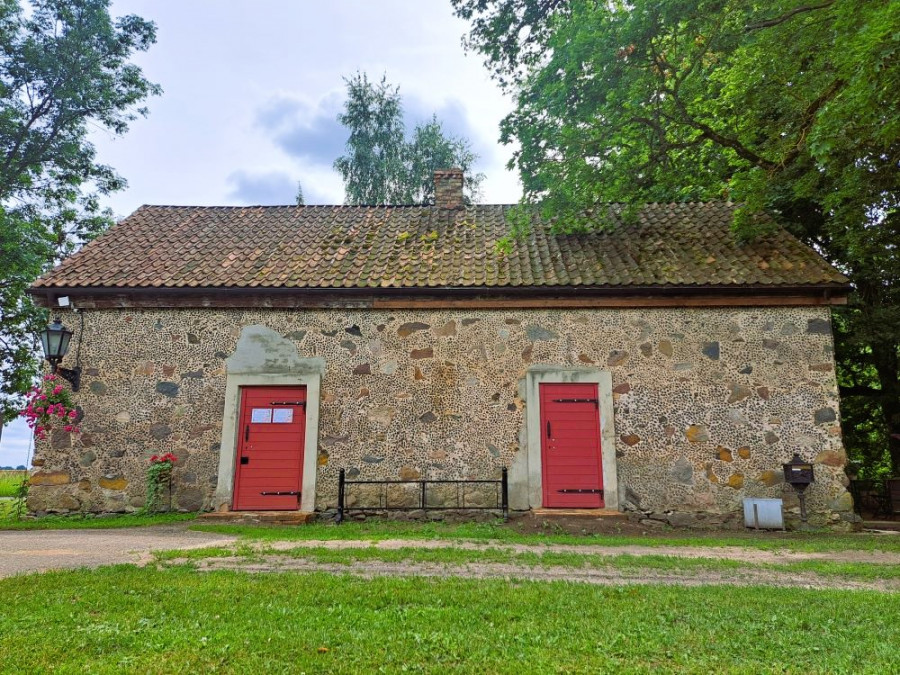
787	107
64	67
383	167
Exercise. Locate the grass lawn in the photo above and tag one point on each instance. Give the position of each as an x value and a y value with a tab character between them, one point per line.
78	521
10	482
386	529
7	510
125	619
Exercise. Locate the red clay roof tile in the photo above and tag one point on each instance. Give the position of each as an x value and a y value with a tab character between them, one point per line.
425	247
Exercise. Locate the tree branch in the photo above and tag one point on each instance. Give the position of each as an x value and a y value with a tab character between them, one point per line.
768	23
658	61
809	116
708	132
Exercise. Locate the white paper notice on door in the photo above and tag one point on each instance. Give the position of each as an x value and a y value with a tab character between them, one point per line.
261	416
283	415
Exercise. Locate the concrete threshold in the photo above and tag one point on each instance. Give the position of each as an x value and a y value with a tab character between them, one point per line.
882	525
254	517
582	513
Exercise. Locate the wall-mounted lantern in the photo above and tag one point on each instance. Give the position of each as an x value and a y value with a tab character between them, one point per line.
55	340
799	475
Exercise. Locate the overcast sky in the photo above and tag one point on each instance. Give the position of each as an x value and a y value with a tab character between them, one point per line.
251	92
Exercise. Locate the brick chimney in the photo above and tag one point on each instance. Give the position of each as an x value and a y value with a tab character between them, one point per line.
448	188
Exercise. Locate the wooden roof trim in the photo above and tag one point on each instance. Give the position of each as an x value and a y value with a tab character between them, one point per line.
473	298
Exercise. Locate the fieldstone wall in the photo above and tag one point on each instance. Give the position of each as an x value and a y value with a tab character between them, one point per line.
708	402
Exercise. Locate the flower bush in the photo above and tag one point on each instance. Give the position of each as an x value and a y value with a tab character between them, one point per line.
159	475
49	405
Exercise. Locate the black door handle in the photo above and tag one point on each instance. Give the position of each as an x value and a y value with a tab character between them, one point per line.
548	428
247	433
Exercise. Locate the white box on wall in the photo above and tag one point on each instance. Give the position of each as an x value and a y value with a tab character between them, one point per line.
763	514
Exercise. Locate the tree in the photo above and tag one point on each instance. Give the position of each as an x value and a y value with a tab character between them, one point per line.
788	107
373	168
64	67
431	149
299	197
381	166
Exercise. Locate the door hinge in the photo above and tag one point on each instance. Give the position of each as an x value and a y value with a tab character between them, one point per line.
578	400
581	491
303	403
281	494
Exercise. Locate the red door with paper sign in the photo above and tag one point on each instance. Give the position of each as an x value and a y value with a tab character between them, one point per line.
271	432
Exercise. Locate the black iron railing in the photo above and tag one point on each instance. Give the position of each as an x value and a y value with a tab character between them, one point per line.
384	502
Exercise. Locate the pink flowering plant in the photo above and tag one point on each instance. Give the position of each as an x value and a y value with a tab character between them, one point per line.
48	406
159	476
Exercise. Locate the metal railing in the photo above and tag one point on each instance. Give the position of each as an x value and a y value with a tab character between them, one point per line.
384	504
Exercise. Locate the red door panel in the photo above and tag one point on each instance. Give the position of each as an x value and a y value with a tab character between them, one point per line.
271	432
570	446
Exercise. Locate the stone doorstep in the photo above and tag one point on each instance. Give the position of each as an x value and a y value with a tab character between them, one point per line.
612	514
883	525
270	517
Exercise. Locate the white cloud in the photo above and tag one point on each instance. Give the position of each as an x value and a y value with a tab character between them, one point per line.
252	88
15	443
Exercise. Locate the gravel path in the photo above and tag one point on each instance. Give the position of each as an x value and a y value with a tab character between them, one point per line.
750	555
41	550
586	575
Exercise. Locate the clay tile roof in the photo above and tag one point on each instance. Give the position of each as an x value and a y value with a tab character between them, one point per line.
674	245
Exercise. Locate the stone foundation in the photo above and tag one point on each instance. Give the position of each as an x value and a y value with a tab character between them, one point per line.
708	403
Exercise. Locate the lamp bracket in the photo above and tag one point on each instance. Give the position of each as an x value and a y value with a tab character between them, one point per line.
71	375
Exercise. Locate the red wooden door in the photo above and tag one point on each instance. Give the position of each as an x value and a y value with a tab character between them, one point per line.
272	427
570	446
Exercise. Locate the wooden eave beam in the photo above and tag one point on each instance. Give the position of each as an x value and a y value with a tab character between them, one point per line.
447	298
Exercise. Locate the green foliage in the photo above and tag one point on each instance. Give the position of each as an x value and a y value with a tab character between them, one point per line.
786	107
14	487
64	69
48	405
20	498
159	481
300	201
383	167
10	482
373	168
431	149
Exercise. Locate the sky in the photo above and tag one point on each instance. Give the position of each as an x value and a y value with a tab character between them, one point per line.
251	91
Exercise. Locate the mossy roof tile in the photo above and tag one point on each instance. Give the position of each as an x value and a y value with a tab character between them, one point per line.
425	247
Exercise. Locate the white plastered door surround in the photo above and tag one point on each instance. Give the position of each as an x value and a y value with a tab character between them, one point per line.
265	358
525	475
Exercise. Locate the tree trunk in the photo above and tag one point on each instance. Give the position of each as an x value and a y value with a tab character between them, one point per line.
884	357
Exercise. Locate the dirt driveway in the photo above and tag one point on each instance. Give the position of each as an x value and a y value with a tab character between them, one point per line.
37	551
288	556
742	554
41	550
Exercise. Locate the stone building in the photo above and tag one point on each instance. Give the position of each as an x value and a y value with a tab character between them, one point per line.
659	368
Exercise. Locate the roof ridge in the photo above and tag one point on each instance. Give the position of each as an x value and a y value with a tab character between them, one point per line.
692	202
308	206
